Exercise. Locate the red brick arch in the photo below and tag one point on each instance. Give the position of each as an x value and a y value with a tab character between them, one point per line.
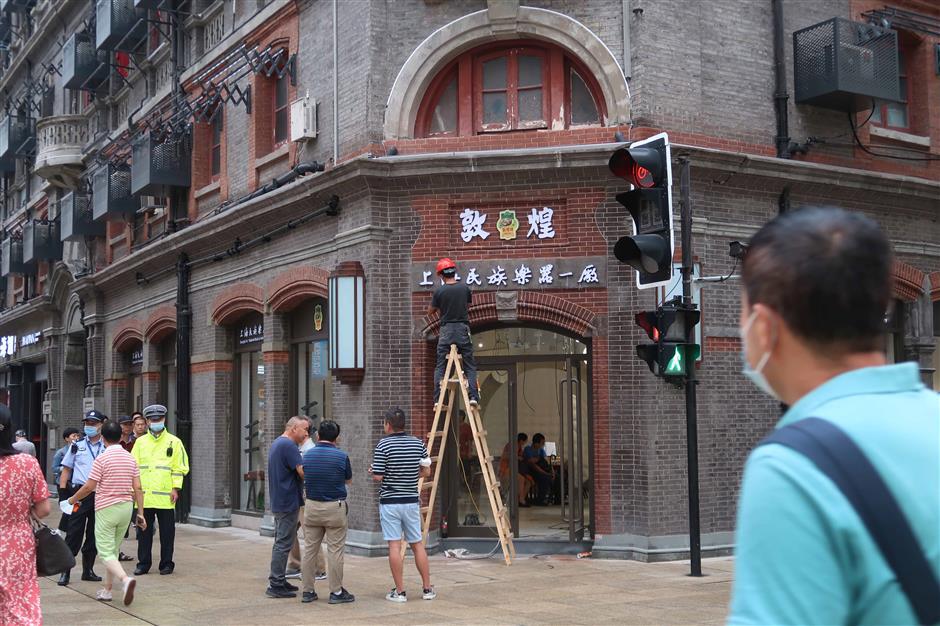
128	333
160	324
293	286
907	282
533	307
236	301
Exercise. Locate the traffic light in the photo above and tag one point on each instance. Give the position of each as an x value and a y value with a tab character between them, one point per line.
670	355
647	166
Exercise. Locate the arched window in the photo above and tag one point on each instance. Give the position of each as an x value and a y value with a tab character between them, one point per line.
517	86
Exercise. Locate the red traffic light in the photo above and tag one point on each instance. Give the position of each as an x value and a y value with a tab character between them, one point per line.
641	167
648	321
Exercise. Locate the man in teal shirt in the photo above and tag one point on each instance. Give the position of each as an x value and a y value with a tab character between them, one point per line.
816	287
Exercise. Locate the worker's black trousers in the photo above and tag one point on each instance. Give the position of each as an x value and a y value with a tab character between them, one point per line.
81	525
166	519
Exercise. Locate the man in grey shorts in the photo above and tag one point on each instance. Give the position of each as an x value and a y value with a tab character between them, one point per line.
399	459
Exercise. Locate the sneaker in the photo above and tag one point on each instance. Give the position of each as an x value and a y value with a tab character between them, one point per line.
279	592
429	594
342	597
129	585
309	596
396	596
103	595
290	587
320	576
292	573
474	402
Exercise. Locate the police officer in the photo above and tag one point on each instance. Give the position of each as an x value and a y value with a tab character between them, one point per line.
76	466
163	463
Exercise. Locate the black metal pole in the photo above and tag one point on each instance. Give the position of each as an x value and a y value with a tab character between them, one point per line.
691	420
184	422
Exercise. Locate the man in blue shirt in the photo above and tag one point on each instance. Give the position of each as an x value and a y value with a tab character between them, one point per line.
285	476
817	283
76	465
536	466
327	471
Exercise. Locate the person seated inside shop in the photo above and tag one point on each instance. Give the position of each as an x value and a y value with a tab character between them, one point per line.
524	482
538	467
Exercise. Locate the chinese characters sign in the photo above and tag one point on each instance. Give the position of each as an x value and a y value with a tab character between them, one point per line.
250	334
510	274
9	344
479	225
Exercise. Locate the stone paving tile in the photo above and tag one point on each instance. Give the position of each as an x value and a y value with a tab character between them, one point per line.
221	575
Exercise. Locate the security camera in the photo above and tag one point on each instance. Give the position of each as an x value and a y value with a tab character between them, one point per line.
737	250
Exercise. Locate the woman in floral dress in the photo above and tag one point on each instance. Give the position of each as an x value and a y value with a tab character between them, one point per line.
22	491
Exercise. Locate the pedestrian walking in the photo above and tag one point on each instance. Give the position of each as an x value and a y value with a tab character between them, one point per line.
850	478
163	463
285	487
326	472
23	444
296	550
23	494
452	300
397	462
115	481
76	465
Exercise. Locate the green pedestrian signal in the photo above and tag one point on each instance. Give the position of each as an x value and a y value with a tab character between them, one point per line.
675	357
675	365
669	356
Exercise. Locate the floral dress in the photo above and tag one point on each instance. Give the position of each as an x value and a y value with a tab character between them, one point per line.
21	484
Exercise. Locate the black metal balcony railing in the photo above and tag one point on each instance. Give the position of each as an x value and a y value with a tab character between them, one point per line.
7	6
119	25
83	66
77	220
11	258
17	137
111	192
41	241
159	164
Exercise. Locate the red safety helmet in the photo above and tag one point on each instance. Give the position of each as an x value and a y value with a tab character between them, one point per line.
445	264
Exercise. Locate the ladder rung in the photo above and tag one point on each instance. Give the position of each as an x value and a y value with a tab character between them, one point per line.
427	485
481	433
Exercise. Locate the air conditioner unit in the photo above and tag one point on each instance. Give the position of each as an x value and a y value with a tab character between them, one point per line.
303	119
857	61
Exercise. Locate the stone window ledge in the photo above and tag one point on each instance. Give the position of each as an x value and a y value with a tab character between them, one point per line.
200	193
281	152
900	137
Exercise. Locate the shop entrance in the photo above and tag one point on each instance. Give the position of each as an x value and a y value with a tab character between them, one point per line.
534	383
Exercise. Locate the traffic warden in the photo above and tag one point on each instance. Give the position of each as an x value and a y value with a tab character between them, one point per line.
163	463
76	466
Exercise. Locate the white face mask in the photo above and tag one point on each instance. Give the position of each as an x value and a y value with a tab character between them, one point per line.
755	375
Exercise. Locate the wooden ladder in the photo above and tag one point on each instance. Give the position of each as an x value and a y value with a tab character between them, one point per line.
454	383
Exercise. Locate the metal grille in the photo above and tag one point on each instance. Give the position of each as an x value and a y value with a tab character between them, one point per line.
158	164
841	64
75	213
12	257
41	241
111	192
83	67
119	25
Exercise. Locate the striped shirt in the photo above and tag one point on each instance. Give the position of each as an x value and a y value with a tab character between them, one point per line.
397	459
326	470
114	471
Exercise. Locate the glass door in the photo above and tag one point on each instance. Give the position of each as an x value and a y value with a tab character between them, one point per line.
467	511
251	411
573	467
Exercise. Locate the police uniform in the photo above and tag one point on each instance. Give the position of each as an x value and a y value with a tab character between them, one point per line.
163	463
79	459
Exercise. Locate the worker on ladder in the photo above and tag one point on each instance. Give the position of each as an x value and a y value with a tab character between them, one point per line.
452	300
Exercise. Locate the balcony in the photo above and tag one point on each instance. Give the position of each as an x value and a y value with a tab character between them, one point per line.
77	222
11	258
111	192
83	67
17	137
7	6
59	142
119	25
41	241
157	165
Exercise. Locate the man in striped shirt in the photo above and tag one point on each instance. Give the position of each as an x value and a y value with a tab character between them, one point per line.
115	481
399	459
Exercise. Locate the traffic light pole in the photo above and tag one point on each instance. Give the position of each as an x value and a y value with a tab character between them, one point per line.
691	419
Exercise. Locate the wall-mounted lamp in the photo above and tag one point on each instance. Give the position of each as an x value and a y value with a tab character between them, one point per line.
347	301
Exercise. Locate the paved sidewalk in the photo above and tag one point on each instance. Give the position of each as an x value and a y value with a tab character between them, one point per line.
221	575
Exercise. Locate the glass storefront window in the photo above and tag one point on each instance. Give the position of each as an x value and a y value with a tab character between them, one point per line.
310	368
250	405
524	341
135	384
167	394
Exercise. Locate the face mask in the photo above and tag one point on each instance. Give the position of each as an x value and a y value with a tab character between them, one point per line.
157	427
91	431
755	375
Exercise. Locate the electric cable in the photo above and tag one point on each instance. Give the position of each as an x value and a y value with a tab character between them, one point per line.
865	148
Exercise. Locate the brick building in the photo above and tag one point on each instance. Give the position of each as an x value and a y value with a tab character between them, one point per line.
205	161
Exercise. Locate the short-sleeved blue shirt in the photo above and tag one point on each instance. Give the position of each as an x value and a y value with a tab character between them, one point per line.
79	458
326	470
802	554
286	491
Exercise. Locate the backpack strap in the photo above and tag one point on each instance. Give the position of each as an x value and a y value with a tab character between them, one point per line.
840	459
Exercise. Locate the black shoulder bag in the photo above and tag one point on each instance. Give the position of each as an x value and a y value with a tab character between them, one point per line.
839	458
53	555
